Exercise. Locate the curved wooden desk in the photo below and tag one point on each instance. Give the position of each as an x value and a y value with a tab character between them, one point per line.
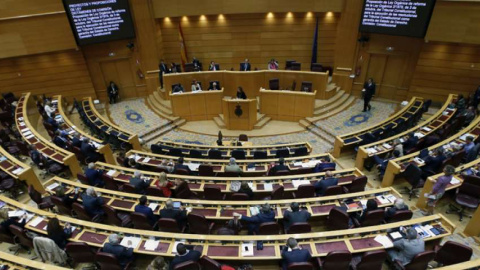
15	262
108	127
427	127
223	210
287	105
229	247
31	136
251	81
103	149
297	165
462	266
259	184
351	139
271	150
396	166
194	106
19	170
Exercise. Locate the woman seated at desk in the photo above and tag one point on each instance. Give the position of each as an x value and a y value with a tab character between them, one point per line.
178	89
240	93
273	64
196	86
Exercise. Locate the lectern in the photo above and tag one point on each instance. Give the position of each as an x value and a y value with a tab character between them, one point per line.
239	114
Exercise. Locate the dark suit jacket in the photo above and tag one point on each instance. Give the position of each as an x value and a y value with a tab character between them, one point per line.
242	66
433	163
69	201
52	122
241	95
163	68
182	166
177	214
124	255
392	210
93	205
296	255
410	143
139	184
61	238
60	142
35	156
322	185
290	217
94	177
277	168
255	221
76	142
322	166
192	255
146	211
369	90
89	151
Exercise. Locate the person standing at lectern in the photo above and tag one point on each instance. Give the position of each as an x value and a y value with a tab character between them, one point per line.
196	64
368	93
240	93
112	91
245	66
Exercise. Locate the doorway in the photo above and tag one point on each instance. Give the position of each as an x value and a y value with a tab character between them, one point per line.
120	72
387	71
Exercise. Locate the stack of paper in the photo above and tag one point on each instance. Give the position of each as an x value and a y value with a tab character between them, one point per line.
390	197
382	200
297	183
147	159
396	235
254	210
53	186
371	150
455	181
464	136
247	249
153	206
111	173
17	171
384	240
387	146
36	221
268	187
298	163
193	166
252	169
15	213
151	245
419	135
427	129
135	241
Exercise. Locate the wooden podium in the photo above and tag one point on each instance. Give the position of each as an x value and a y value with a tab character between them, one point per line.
239	114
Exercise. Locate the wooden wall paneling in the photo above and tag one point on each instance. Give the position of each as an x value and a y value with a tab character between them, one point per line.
249	81
14	8
55	73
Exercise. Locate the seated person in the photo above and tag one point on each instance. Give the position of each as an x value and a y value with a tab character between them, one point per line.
183	255
292	253
431	139
138	183
58	234
144	209
76	140
469	144
272	65
382	163
214	86
294	214
233	167
51	121
433	163
469	114
89	151
322	185
158	263
92	203
410	143
461	104
240	93
166	165
406	249
94	176
371	205
213	66
164	185
196	86
66	199
178	89
60	140
180	165
279	167
266	215
245	66
397	145
180	214
49	109
35	155
323	165
17	221
245	188
397	206
124	255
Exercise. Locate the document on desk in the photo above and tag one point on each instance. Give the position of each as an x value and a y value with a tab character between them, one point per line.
250	184
419	135
153	206
464	136
53	186
396	235
427	129
17	171
268	187
384	240
371	150
254	210
193	166
111	173
387	146
36	221
146	160
247	249
455	181
135	241
151	244
297	183
383	200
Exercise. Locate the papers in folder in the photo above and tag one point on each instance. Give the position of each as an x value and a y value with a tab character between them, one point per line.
17	171
153	206
193	166
135	241
36	221
111	173
384	240
247	249
396	235
53	186
382	200
455	181
419	135
268	187
297	183
151	245
464	136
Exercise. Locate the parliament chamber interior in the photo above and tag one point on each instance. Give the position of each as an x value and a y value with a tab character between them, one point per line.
240	135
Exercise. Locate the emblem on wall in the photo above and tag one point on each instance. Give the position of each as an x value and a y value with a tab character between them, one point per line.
238	110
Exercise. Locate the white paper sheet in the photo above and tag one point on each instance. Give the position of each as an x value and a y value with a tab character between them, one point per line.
153	206
53	186
384	240
36	221
455	181
268	187
151	245
193	166
297	183
247	249
135	241
111	172
17	171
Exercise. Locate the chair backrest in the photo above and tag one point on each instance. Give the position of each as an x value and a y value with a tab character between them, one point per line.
34	194
140	221
288	64
458	157
412	174
300	266
205	170
175	85
212	193
154	191
176	152
83	178
306	87
282	172
372	260
188	265
208	263
267	228
238	154
112	216
194	153
21	236
107	261
129	188
156	149
259	155
358	184
243	137
282	153
299	227
214	154
452	253
337	260
110	183
168	225
277	193
296	66
333	190
81	212
470	186
230	174
239	197
401	215
274	84
181	171
305	191
420	261
62	207
317	67
183	191
337	220
301	151
80	252
198	224
373	217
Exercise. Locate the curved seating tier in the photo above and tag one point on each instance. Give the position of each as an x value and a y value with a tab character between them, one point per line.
31	136
19	170
398	165
13	262
164	148
297	165
411	112
474	264
259	184
229	247
94	119
427	127
103	149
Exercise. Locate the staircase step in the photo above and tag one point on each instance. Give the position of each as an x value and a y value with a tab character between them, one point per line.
322	103
154	135
159	112
260	116
331	87
160	103
165	103
332	106
262	122
219	121
341	107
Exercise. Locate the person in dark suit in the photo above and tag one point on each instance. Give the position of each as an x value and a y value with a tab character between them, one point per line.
35	155
173	68
213	66
292	253
180	215
245	188
94	176
398	206
197	66
214	86
178	89
17	221
183	255
294	214
368	93
325	164
124	255
144	209
431	139
92	203
382	163
112	91
89	151
279	167
322	185
138	183
66	199
245	66
371	205
410	142
266	215
180	165
51	121
76	141
163	70
433	163
59	140
240	93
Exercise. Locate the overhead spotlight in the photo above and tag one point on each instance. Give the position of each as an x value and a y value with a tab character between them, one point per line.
270	15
